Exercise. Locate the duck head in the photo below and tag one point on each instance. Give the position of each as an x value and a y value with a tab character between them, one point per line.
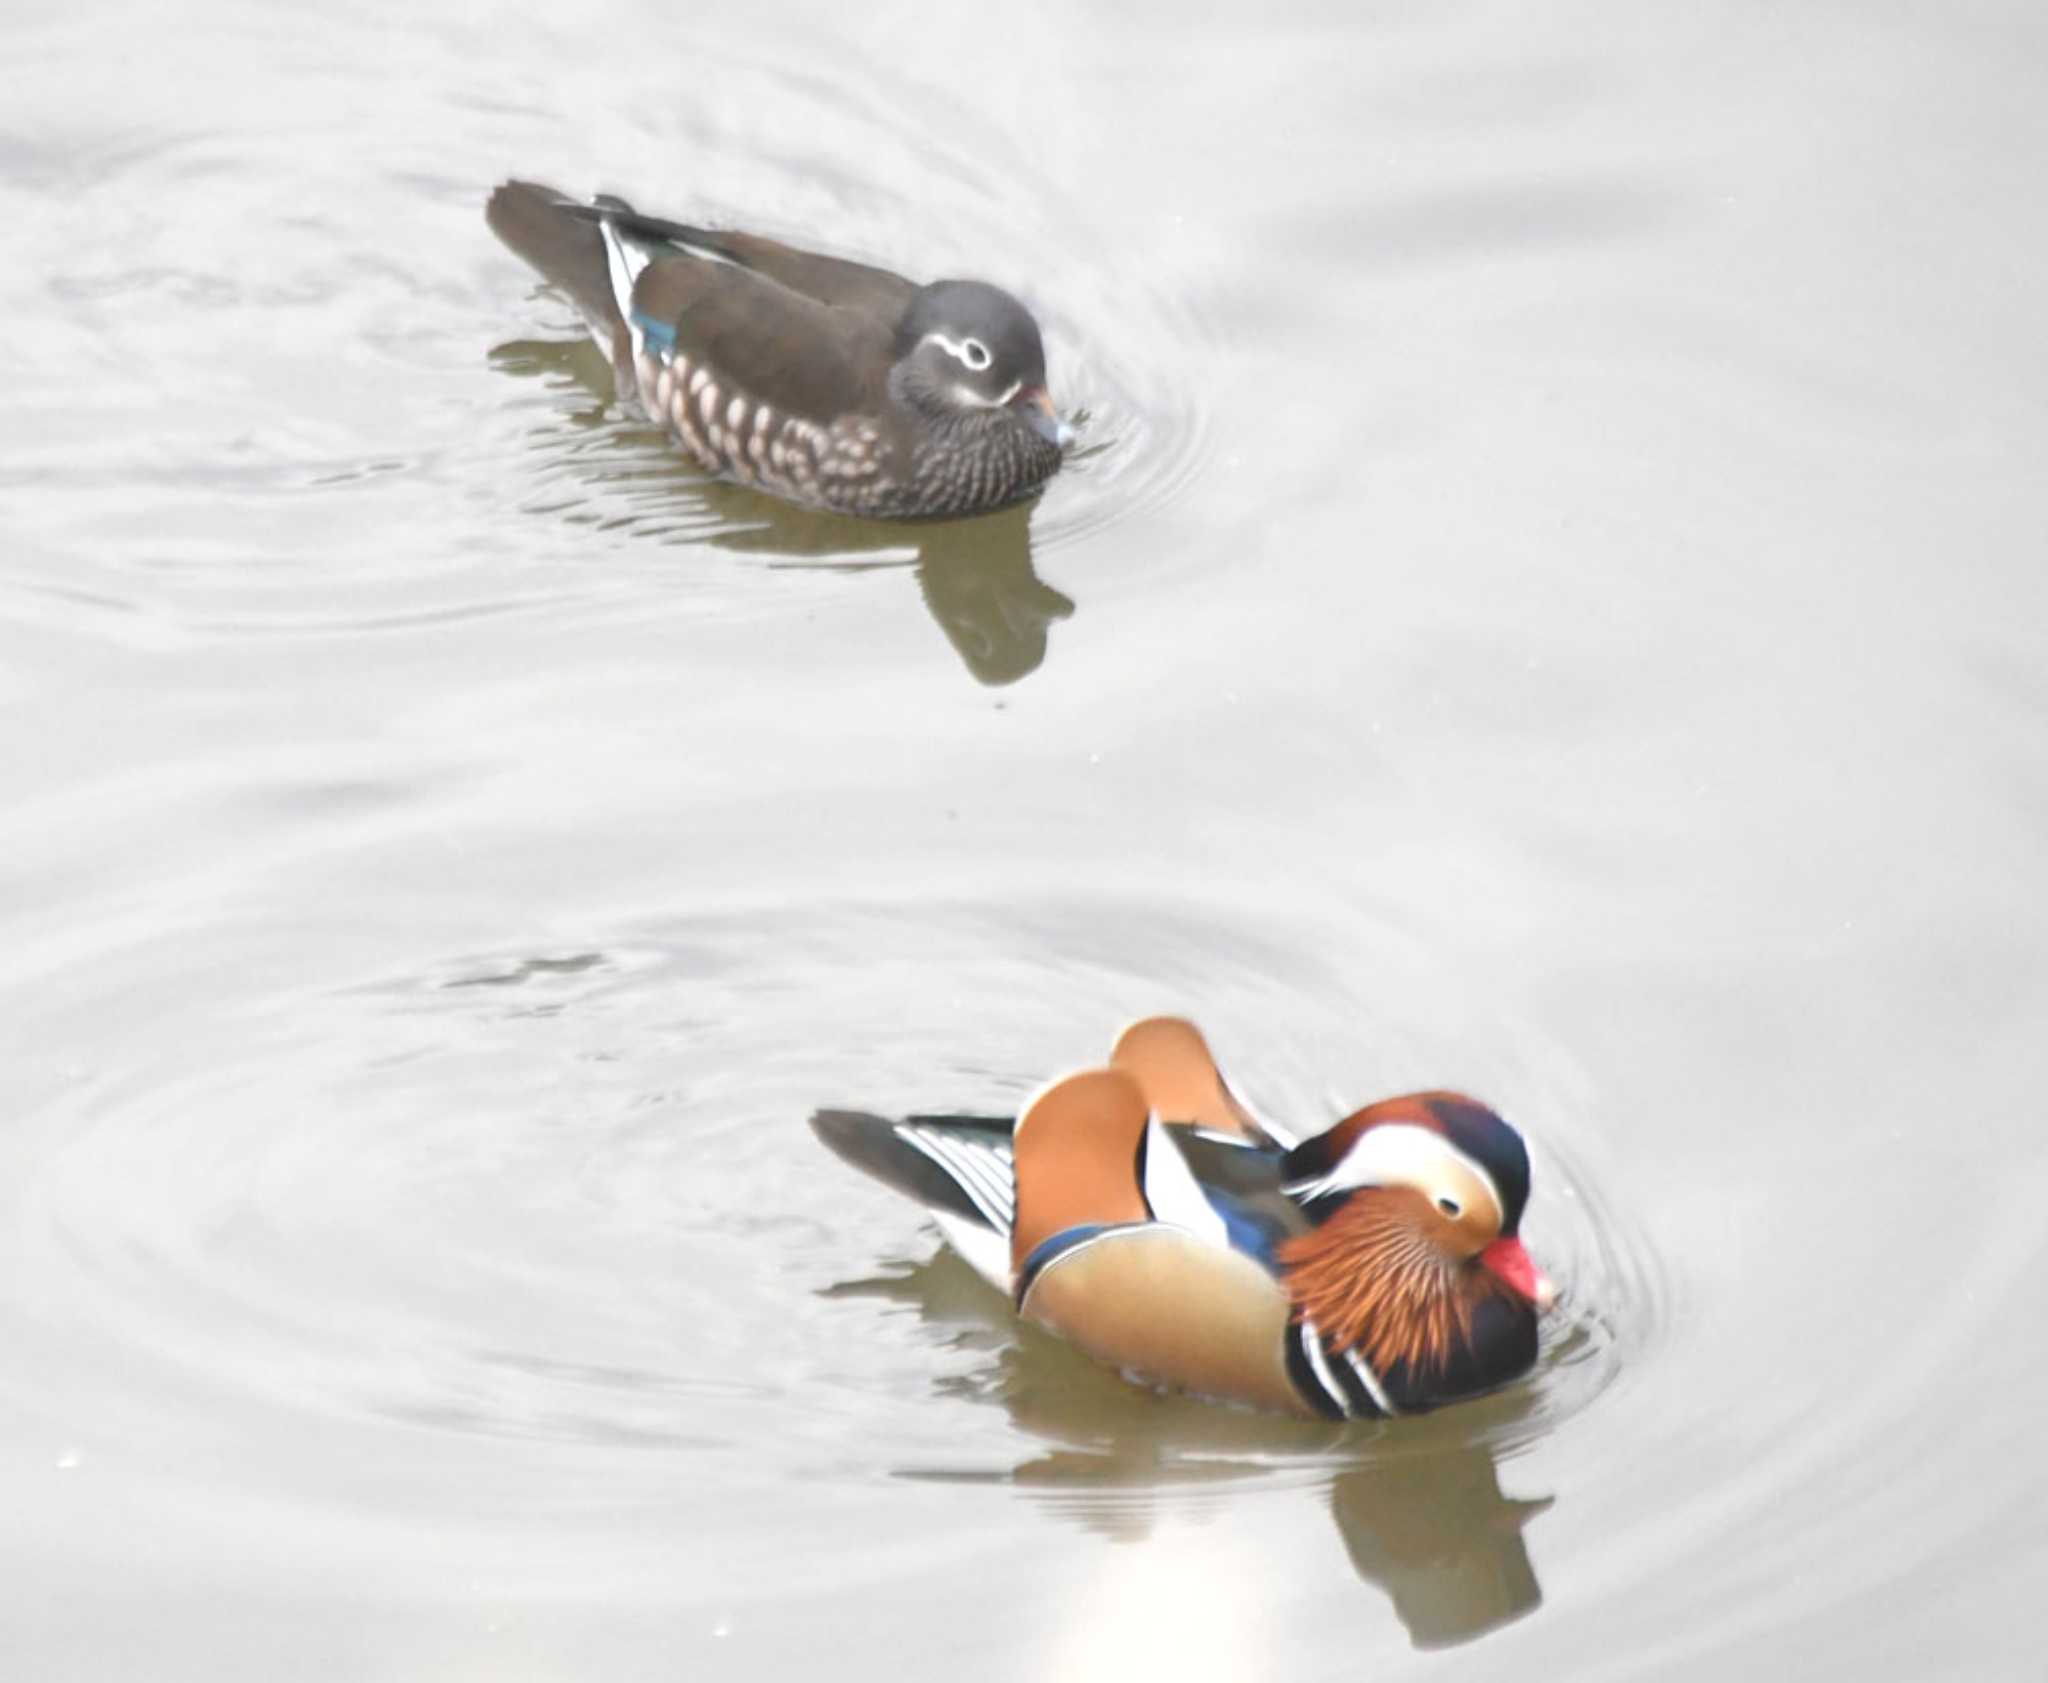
965	347
1414	1257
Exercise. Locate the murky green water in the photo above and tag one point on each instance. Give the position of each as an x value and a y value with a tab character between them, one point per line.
1549	601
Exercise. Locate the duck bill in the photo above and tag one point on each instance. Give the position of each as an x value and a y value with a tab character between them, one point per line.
1507	1259
1034	408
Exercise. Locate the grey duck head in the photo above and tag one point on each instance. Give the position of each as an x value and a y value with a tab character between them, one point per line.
965	347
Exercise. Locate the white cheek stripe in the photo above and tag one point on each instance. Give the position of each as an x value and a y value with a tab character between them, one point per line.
968	398
1400	1154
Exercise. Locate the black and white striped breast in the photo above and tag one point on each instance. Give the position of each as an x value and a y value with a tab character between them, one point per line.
1337	1384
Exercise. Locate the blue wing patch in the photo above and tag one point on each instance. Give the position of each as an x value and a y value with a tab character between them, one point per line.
660	335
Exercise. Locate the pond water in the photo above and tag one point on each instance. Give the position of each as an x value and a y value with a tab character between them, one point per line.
1548	600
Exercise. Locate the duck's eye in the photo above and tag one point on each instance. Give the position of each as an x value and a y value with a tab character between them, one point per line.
975	354
1450	1206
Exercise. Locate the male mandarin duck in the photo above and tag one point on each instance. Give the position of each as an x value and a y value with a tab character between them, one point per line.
1143	1212
827	382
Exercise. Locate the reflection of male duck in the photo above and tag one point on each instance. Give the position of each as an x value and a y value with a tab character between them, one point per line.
1419	1508
1434	1531
976	575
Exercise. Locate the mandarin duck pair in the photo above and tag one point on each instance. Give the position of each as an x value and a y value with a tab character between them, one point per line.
1144	1213
1139	1209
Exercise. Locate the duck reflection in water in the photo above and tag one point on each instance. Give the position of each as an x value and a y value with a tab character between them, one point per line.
975	575
1417	1504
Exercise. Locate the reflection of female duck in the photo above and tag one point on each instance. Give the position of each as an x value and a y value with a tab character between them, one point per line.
976	575
1142	1212
977	581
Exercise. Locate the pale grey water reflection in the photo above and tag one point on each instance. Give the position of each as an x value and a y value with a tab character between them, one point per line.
1552	604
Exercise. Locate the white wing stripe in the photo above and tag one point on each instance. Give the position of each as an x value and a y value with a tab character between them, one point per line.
985	1250
1173	1192
985	1190
625	269
978	1163
999	1172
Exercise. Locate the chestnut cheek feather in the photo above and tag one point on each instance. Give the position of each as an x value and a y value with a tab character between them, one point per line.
1371	1279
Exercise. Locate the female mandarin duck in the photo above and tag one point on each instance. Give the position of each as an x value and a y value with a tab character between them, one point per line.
830	383
1141	1211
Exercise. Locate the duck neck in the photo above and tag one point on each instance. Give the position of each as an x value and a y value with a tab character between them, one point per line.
969	456
1431	1324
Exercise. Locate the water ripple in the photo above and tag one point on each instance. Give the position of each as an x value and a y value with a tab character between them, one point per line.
560	1195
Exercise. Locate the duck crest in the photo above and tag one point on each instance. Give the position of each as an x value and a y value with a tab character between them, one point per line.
1452	1115
1371	1279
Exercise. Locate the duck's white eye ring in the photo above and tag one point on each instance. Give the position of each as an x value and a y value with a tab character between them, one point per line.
1449	1205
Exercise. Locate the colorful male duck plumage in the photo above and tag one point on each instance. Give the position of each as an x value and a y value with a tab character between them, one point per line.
1143	1212
830	383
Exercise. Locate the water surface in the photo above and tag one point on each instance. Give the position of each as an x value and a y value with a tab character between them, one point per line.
1548	601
